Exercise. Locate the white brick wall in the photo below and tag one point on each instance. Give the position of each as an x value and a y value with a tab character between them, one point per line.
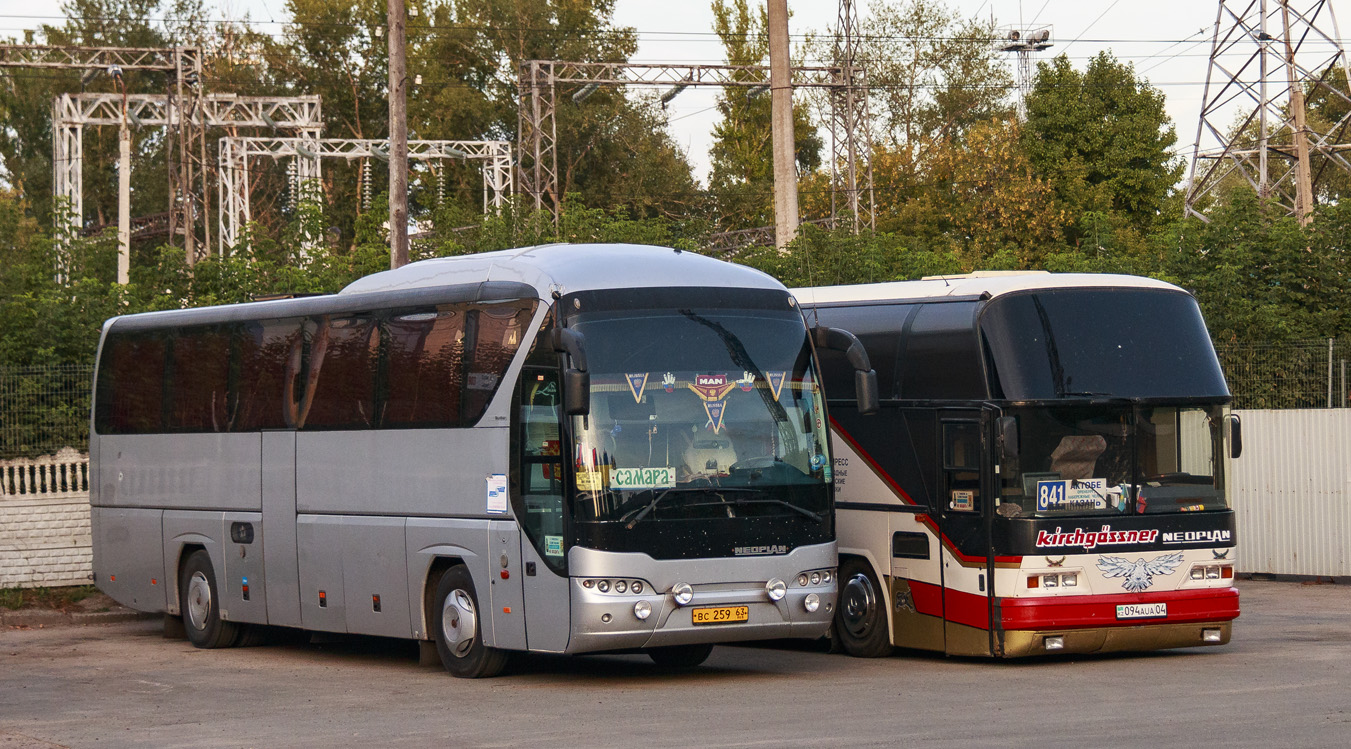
45	538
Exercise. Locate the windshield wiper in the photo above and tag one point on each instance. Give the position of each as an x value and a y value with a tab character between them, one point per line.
804	512
649	507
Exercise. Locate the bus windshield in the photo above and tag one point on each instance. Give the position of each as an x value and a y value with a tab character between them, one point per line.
1096	460
703	422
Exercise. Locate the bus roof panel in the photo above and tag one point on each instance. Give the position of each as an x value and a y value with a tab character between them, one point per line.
969	286
571	267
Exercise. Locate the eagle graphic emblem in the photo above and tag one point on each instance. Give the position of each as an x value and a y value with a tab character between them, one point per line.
1139	574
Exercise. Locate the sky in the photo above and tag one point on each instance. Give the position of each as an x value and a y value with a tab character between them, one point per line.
1168	41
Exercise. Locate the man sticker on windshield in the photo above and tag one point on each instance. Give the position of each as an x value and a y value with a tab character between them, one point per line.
776	380
636	384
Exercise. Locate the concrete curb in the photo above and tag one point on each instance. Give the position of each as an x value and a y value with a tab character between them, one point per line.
47	618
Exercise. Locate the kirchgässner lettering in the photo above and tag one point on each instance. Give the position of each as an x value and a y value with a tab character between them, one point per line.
1090	539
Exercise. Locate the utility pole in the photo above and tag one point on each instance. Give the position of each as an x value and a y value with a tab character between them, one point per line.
123	187
781	114
398	138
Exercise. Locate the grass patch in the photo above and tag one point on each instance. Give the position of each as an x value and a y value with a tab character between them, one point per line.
45	598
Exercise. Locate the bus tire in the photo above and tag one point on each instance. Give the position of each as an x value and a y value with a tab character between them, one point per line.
680	656
200	600
458	629
861	619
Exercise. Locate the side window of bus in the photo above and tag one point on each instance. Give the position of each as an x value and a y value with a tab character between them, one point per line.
961	466
340	383
131	384
199	380
269	375
424	367
497	330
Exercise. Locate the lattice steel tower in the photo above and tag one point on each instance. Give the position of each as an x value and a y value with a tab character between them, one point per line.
1266	57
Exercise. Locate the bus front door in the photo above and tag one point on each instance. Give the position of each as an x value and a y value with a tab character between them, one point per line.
964	495
539	509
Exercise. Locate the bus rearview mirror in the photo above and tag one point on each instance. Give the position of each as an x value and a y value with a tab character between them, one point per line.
1235	436
577	392
865	378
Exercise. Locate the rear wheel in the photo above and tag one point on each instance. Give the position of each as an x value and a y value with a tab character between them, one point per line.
459	630
680	656
200	601
860	621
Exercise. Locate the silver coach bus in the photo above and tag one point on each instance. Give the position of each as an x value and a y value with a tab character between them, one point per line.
562	449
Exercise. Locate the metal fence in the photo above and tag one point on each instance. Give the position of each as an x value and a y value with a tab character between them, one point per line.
1297	374
43	409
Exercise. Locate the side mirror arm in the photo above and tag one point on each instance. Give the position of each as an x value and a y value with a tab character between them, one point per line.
865	377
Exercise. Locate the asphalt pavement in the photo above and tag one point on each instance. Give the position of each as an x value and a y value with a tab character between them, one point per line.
1284	681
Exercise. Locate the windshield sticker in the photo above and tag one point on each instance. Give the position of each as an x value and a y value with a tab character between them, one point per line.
1073	494
497	493
553	546
642	478
590	481
715	410
1090	539
747	382
711	387
776	380
668	382
636	384
963	499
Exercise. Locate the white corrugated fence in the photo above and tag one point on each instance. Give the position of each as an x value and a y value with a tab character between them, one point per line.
1291	491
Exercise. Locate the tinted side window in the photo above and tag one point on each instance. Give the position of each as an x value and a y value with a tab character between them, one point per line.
131	384
269	366
941	357
340	387
498	331
199	380
424	367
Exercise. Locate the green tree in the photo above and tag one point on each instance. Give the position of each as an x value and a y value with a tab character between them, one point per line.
1102	139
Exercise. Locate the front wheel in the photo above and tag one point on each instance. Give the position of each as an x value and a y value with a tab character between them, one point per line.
680	656
200	601
860	620
459	630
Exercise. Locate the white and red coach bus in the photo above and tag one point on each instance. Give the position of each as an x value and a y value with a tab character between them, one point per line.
1046	475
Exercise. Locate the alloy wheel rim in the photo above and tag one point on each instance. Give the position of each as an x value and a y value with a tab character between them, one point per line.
459	622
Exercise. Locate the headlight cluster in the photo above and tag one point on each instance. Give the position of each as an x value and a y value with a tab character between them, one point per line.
1212	572
816	577
1054	580
620	586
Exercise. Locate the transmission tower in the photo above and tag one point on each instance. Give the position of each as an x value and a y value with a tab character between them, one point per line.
1024	41
850	127
188	208
1266	56
539	80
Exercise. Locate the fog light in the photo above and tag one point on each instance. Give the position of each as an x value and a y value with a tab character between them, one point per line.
1210	635
642	609
605	618
683	593
1054	643
637	586
776	589
816	578
603	586
802	579
826	577
812	602
588	583
621	586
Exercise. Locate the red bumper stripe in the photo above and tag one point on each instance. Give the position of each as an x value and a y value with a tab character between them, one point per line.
1069	612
